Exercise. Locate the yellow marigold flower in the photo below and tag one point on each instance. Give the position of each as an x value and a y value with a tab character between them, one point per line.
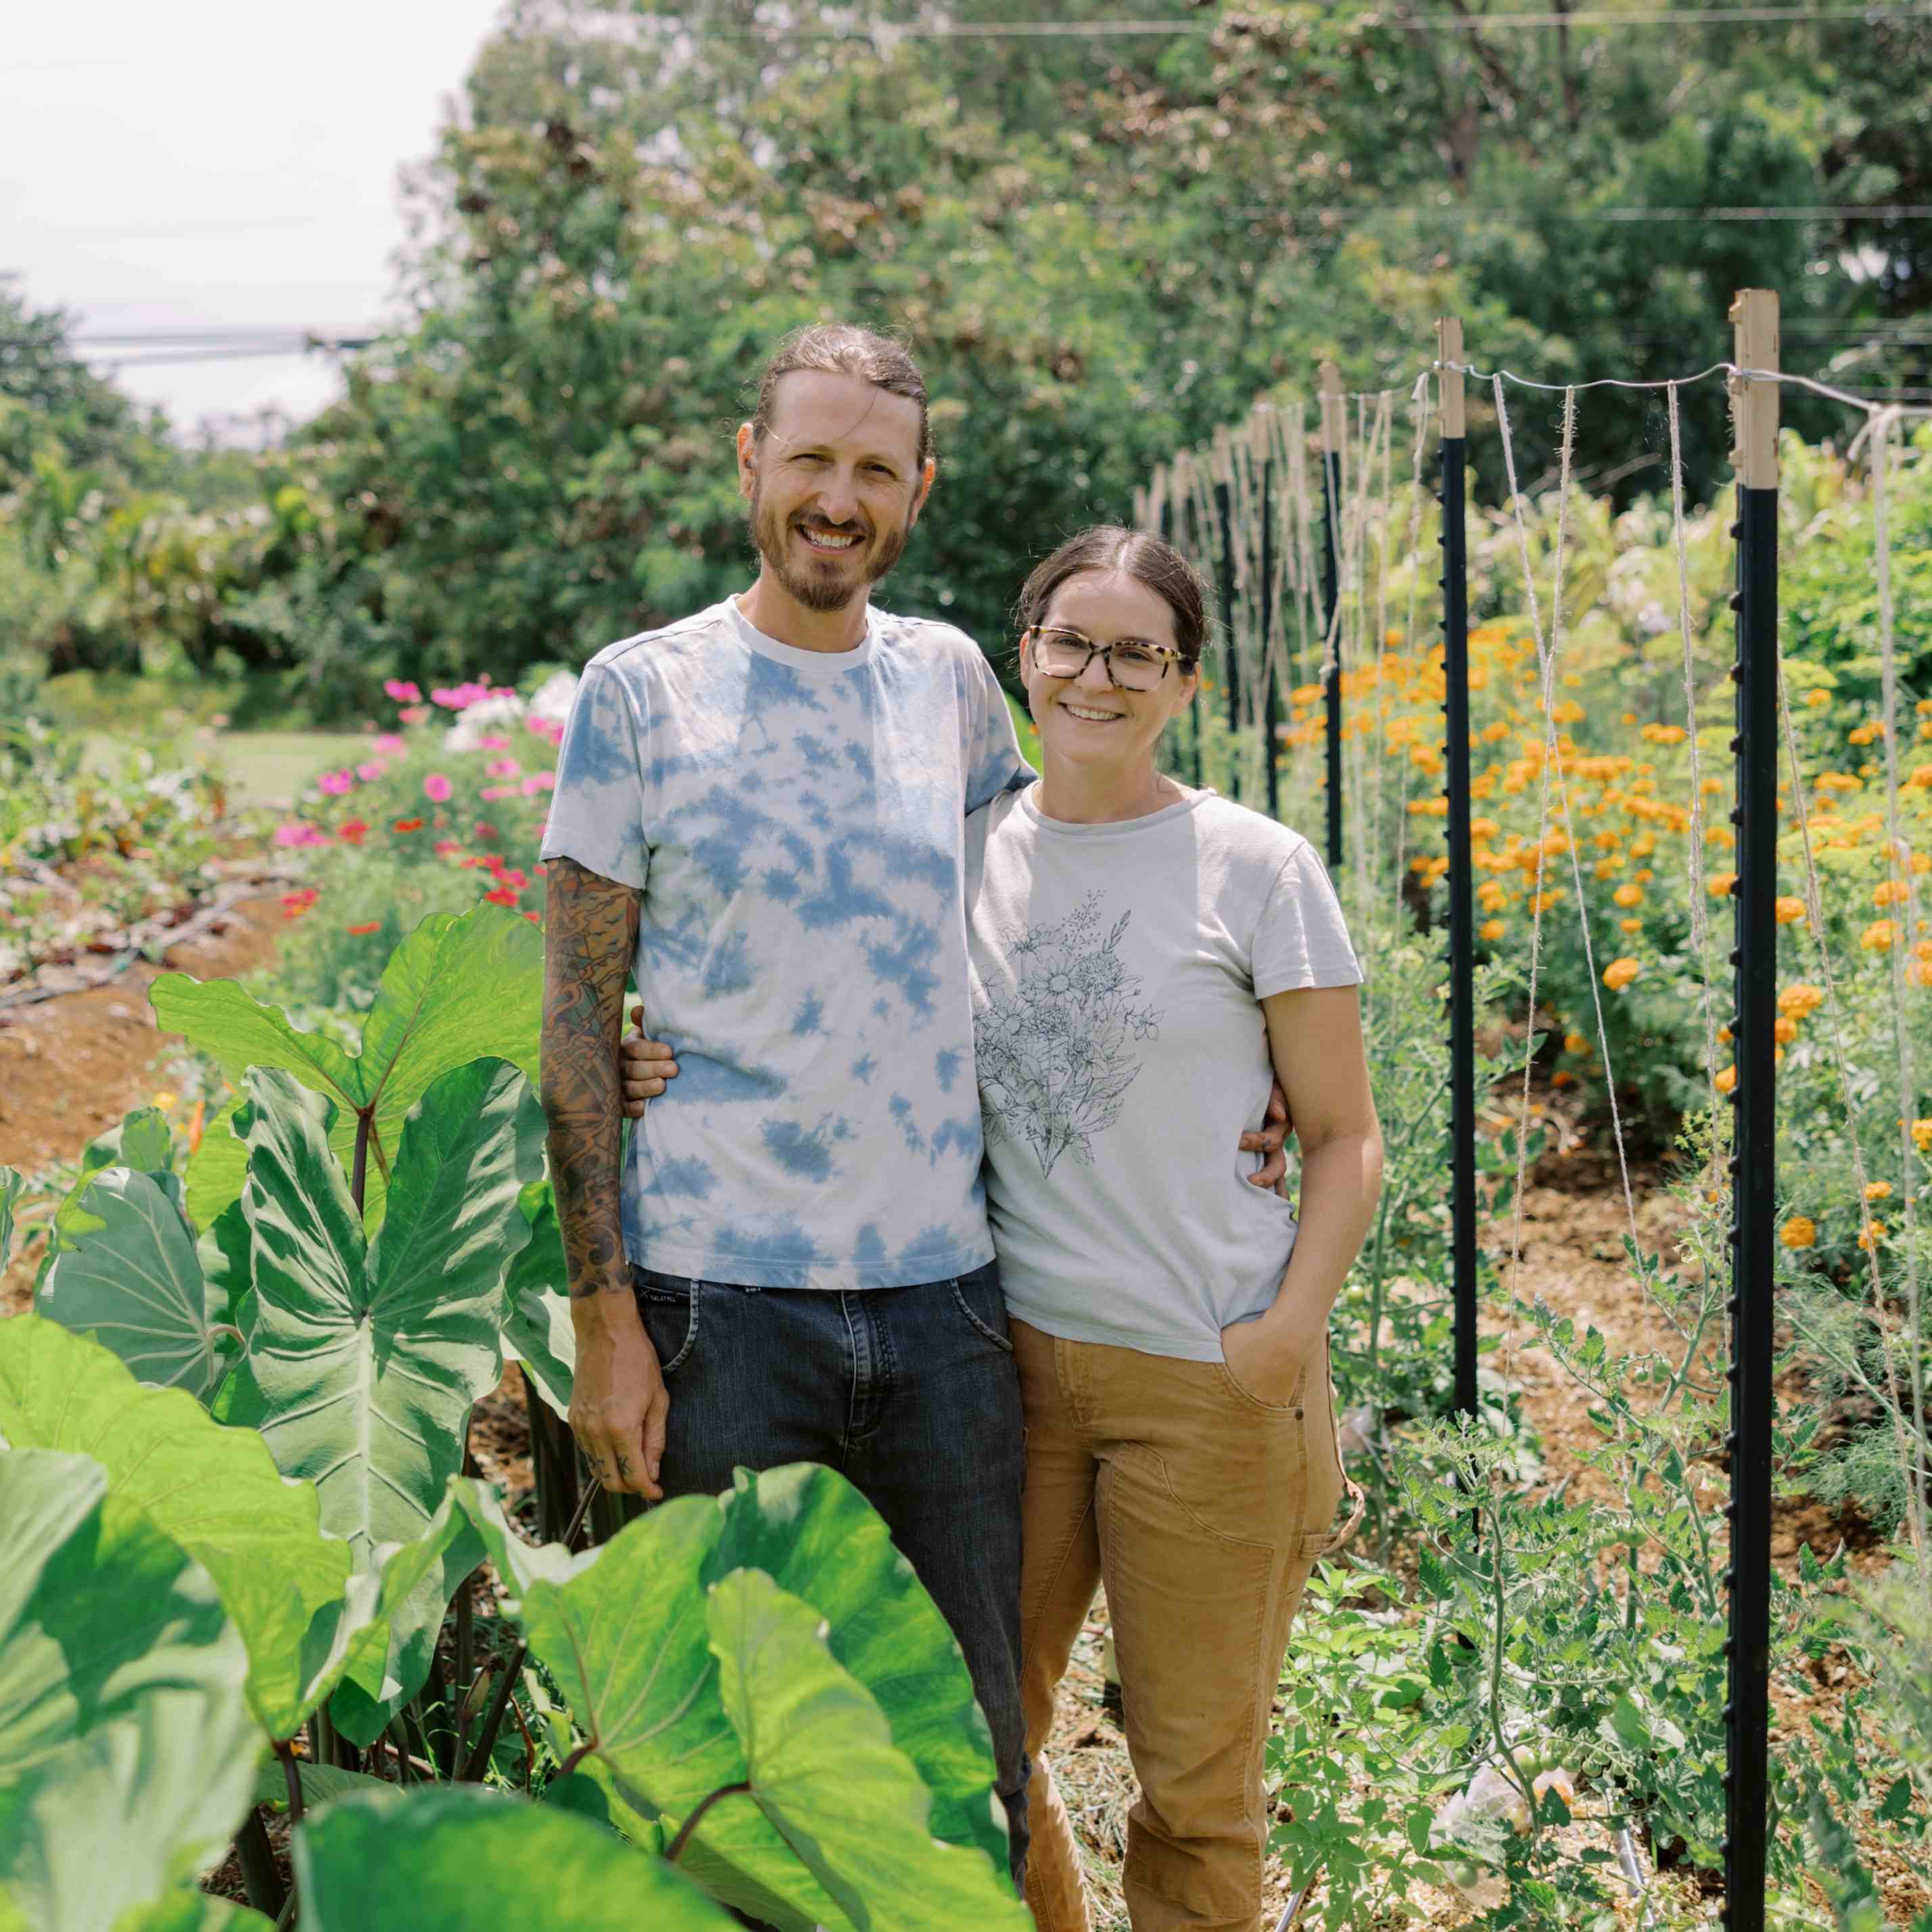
1628	896
1491	928
1724	1036
1924	707
1629	718
1877	936
1727	1078
1619	973
1870	1234
164	1101
1568	712
1790	912
1606	868
1800	1231
1719	884
1784	1030
1817	698
1711	787
1547	901
1878	1190
1922	1135
1630	925
1890	892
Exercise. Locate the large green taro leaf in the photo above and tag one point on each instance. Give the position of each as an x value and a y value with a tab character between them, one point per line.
188	1910
127	1272
457	1859
624	1634
215	1491
126	1752
458	989
362	1364
815	1535
823	1769
537	1331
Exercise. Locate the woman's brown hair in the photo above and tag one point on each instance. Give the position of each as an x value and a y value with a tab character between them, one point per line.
1146	559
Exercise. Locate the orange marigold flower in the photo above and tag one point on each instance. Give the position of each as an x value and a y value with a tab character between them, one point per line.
1628	896
1790	911
1800	1231
1491	928
1877	936
1890	892
1630	926
1575	1042
1922	1135
1878	1190
1619	973
1727	1078
1719	884
1801	1001
1870	1234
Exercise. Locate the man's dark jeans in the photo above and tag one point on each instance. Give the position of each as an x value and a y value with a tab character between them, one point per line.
911	1394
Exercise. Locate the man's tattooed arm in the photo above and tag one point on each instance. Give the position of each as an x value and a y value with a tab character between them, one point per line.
590	936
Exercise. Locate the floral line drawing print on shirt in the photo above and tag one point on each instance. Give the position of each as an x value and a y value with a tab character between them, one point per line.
1052	1052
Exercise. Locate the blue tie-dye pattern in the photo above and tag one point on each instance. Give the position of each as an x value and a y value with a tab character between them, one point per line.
796	824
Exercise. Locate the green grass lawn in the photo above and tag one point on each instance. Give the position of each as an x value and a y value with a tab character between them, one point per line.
262	767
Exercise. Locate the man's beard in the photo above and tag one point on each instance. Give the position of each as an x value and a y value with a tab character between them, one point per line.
772	534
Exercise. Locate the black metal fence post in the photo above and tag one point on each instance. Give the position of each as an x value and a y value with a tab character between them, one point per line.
1332	429
1271	685
1461	884
1233	665
1754	316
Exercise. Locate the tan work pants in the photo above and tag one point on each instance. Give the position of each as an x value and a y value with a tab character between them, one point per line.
1202	1509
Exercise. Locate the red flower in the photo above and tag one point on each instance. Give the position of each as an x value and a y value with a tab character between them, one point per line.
374	925
484	830
352	832
510	876
536	918
408	825
501	896
447	848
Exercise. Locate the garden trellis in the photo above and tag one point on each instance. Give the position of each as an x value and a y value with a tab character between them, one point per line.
1334	566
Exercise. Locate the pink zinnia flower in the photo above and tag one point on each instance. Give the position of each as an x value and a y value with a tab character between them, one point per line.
492	743
493	793
335	783
503	768
402	692
390	744
298	832
537	781
370	771
446	848
437	787
413	714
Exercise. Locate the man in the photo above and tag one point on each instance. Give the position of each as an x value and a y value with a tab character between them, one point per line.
761	808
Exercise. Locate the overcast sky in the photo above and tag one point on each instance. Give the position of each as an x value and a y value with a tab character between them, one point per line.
219	164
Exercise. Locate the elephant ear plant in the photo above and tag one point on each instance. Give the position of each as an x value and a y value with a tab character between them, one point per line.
233	1516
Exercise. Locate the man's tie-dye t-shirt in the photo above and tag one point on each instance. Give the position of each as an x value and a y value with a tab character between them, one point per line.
796	820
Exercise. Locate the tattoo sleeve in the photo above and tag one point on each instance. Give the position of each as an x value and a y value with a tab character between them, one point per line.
590	936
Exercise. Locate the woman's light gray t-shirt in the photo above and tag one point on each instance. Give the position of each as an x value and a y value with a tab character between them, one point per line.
1117	973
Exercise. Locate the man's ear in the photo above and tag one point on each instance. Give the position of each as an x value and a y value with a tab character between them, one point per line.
928	471
748	442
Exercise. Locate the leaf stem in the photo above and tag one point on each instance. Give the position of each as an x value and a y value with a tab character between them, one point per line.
291	1775
690	1825
479	1761
358	1174
259	1879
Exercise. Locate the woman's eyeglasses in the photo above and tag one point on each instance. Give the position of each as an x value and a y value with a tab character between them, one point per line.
1132	664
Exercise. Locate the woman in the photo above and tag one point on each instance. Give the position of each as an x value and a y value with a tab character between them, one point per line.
1141	956
1142	953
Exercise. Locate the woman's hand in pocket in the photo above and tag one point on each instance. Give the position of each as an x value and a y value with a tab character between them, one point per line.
1267	1358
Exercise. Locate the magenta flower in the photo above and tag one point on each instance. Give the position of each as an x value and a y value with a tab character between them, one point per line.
495	792
437	787
403	692
538	782
503	768
370	771
493	744
336	783
390	744
298	832
413	714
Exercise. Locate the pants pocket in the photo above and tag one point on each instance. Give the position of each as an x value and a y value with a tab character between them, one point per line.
989	1317
668	1306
